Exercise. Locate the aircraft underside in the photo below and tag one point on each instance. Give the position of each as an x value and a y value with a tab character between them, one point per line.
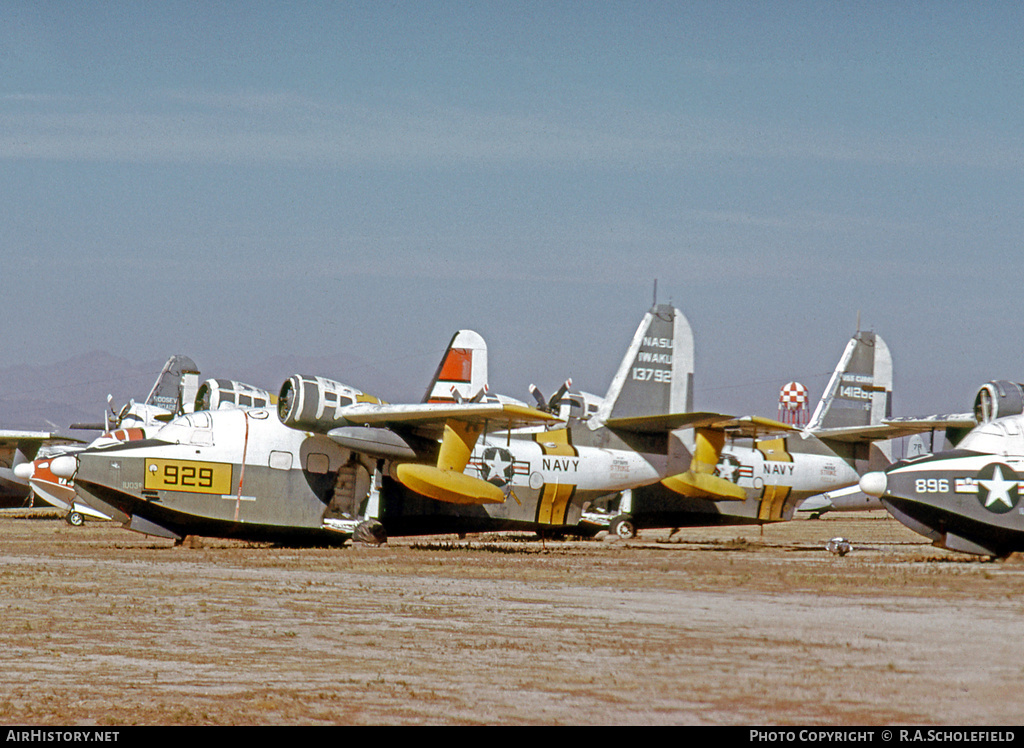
153	518
953	530
13	496
403	512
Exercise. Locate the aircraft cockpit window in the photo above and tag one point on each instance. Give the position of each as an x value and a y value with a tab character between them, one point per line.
202	437
575	405
178	431
991	437
195	428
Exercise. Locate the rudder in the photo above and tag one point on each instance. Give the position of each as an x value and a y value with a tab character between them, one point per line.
656	375
860	390
462	373
176	387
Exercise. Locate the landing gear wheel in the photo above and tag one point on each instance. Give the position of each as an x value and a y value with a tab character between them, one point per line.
623	527
75	519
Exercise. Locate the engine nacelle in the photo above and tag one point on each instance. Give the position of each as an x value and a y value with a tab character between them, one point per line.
214	394
312	403
997	399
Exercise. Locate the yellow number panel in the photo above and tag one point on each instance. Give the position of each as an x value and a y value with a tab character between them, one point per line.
187	475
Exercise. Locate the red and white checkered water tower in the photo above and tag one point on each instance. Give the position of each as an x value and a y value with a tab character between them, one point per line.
793	404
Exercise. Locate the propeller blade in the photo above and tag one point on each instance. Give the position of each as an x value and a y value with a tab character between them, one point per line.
553	402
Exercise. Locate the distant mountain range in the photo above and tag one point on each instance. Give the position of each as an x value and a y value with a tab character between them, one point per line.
54	396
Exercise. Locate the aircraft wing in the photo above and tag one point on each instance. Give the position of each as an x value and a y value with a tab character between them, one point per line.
429	418
12	439
893	428
738	427
13	436
381	429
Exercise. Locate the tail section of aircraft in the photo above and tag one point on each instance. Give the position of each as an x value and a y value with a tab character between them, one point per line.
859	393
656	374
462	374
176	386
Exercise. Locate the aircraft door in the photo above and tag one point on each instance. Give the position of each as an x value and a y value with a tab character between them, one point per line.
351	490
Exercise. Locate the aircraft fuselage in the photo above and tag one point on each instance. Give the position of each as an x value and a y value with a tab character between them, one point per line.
961	500
546	479
231	473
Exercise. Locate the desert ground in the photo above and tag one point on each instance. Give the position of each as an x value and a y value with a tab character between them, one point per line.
726	626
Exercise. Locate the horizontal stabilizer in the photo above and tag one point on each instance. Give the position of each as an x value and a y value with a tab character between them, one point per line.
746	426
893	428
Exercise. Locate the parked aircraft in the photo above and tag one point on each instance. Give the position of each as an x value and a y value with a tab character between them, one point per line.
19	448
851	498
176	384
483	463
671	467
539	478
241	473
759	473
968	498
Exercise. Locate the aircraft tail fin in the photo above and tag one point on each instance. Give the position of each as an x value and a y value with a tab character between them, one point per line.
176	387
656	374
462	374
859	393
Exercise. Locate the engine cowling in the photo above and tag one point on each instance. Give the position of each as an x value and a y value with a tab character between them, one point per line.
997	399
214	394
312	403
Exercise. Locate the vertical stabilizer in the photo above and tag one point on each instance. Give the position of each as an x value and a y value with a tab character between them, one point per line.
462	373
656	374
176	385
860	390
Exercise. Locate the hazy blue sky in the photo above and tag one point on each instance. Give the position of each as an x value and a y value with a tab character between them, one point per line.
238	180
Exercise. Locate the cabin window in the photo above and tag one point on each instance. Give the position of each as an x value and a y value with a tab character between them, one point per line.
280	460
318	463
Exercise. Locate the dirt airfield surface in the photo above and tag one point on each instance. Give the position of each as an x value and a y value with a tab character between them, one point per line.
727	626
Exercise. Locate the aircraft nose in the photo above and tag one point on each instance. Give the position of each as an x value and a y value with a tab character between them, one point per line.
874	484
64	466
25	470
